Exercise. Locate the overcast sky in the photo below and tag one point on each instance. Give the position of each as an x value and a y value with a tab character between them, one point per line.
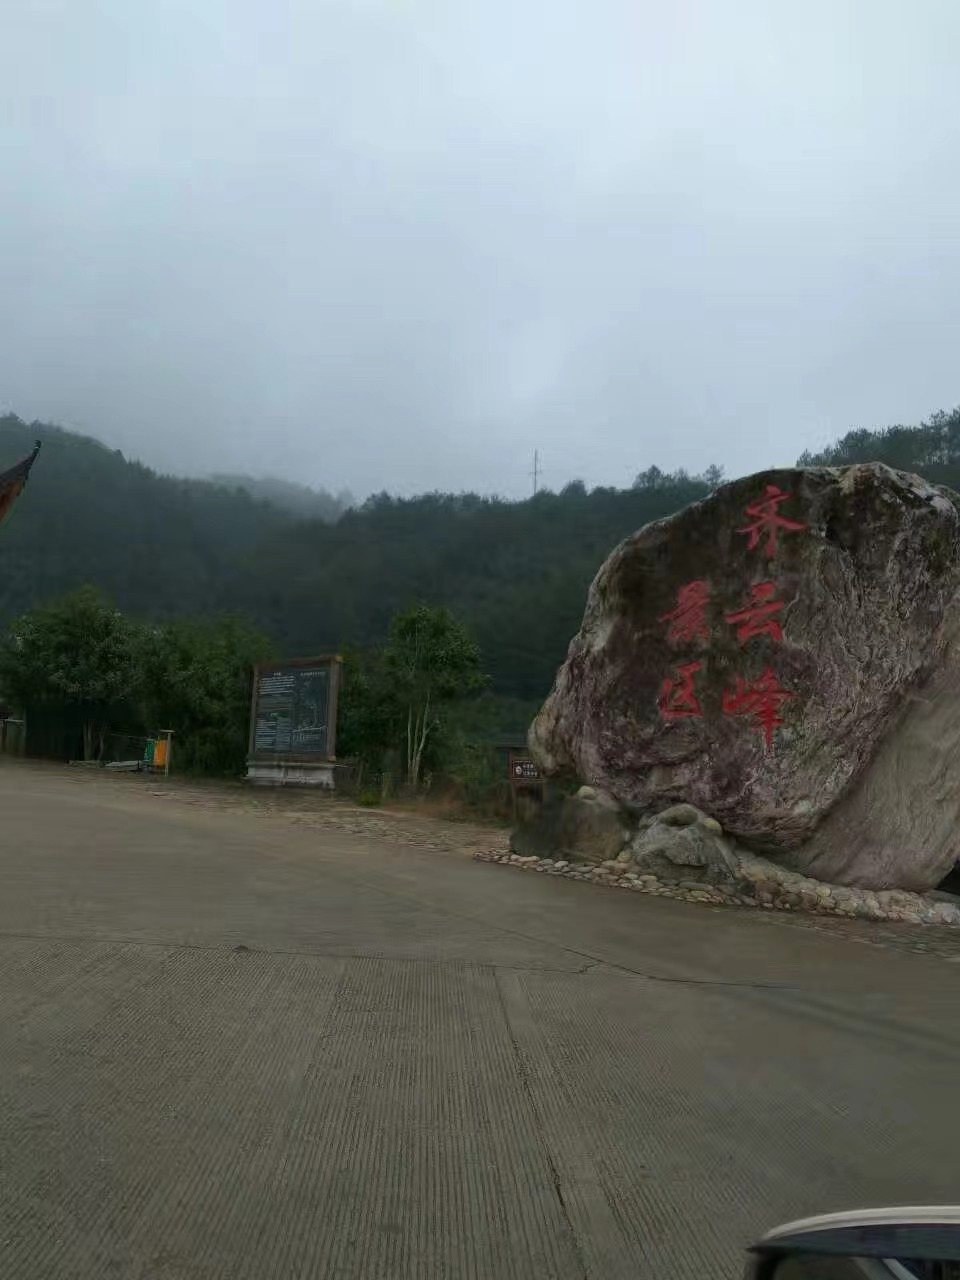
398	244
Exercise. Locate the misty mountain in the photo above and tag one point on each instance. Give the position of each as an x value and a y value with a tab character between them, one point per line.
297	499
159	545
516	572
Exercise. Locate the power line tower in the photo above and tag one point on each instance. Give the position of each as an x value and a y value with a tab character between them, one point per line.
537	471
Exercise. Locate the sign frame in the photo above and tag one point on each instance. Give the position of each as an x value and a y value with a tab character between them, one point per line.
522	780
517	762
334	664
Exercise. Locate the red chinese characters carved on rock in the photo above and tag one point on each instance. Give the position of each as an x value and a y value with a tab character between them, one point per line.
688	618
757	617
768	522
678	697
762	699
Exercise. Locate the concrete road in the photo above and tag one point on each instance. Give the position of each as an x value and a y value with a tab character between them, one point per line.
231	1046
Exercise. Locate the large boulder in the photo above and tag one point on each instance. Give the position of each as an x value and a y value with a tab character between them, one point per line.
784	655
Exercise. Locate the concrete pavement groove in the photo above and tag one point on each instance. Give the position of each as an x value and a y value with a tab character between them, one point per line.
396	1116
83	1115
422	1067
227	1166
588	1212
603	1166
697	1094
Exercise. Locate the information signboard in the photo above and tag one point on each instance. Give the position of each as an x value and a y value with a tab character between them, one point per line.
523	769
294	712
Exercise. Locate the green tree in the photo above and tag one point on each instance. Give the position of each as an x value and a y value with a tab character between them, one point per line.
931	449
432	659
652	478
197	681
369	711
78	653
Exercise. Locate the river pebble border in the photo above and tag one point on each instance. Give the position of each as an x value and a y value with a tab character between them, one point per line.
759	884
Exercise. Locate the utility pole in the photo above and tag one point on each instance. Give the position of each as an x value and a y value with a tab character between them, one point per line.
536	471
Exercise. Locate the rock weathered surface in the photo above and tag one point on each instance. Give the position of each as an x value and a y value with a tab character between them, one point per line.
785	656
683	844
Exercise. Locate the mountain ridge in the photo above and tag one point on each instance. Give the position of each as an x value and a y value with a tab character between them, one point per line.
517	572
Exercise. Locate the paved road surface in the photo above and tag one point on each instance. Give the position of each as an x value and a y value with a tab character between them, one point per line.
235	1047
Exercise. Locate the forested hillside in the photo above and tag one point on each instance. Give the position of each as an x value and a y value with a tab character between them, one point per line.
159	546
516	572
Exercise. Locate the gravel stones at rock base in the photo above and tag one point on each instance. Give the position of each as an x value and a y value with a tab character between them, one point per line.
758	883
684	853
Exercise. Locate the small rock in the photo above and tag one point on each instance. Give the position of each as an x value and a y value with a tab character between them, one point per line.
680	815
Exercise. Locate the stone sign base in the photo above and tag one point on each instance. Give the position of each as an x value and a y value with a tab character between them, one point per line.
280	773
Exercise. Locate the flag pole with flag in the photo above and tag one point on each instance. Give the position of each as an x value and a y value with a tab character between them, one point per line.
12	482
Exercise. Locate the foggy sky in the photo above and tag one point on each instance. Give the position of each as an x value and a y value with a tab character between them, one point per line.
398	244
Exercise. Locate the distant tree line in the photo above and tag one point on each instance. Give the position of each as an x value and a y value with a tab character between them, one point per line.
931	450
81	666
513	575
516	573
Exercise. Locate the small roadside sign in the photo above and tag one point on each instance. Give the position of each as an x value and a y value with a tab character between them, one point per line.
523	769
525	776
